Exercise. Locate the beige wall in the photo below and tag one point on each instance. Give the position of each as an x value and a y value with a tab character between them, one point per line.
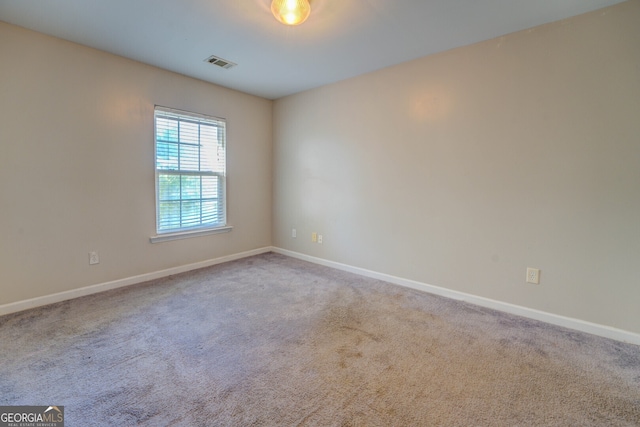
461	169
77	166
457	170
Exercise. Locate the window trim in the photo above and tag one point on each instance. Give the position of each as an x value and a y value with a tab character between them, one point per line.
195	231
167	237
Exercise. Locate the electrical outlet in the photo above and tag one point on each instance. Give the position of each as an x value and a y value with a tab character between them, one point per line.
533	275
294	233
320	238
314	237
94	258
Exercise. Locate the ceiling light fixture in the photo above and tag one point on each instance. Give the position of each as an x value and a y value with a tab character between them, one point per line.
291	12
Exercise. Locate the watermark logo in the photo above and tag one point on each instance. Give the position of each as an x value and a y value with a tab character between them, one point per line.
31	416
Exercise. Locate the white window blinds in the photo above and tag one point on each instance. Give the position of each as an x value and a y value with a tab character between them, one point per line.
190	171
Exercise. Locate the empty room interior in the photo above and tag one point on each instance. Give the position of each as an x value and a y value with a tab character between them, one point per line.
398	212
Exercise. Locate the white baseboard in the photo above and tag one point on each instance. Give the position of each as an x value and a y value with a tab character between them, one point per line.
554	319
101	287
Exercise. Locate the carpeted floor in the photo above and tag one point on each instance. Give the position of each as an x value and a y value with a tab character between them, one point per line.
273	341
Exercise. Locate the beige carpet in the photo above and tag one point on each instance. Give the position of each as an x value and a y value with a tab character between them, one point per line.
273	341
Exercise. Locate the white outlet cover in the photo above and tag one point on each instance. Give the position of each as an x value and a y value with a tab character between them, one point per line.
533	275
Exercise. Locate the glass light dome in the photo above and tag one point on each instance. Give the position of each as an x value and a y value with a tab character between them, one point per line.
291	12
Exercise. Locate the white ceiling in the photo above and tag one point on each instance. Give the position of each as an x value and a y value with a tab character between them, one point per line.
341	38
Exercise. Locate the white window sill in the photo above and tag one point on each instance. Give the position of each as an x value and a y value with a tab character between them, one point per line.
188	234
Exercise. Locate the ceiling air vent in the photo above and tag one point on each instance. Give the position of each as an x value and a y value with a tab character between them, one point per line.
222	63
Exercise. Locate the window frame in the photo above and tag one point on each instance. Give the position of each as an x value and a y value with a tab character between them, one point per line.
221	186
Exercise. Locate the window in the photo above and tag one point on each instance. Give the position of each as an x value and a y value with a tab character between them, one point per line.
190	172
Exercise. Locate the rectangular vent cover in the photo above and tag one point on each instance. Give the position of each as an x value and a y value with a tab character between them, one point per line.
222	63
